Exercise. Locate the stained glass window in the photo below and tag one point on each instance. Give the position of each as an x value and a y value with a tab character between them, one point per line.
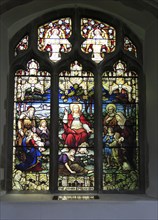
31	141
120	134
22	45
76	133
75	122
53	37
129	46
100	38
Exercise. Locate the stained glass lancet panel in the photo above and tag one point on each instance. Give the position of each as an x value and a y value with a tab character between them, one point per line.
120	134
100	38
31	137
130	47
76	130
22	45
53	37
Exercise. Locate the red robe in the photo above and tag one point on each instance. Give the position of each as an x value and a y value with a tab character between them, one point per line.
72	137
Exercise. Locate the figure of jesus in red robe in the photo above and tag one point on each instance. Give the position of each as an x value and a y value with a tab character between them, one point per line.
76	127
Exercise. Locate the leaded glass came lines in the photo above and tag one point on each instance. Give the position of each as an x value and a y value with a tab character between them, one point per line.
31	137
130	47
100	38
22	45
53	37
76	133
120	130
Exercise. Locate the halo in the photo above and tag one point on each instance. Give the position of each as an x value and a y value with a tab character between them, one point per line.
76	103
97	29
111	105
55	29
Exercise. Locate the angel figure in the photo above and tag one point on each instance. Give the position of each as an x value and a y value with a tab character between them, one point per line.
54	40
96	39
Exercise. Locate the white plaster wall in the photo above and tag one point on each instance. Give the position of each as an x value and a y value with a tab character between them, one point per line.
4	71
151	73
109	210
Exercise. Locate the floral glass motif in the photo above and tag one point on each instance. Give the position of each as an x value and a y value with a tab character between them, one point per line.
53	37
31	138
120	133
100	38
76	130
129	46
22	45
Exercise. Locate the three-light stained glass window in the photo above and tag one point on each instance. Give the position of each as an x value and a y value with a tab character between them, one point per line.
94	146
